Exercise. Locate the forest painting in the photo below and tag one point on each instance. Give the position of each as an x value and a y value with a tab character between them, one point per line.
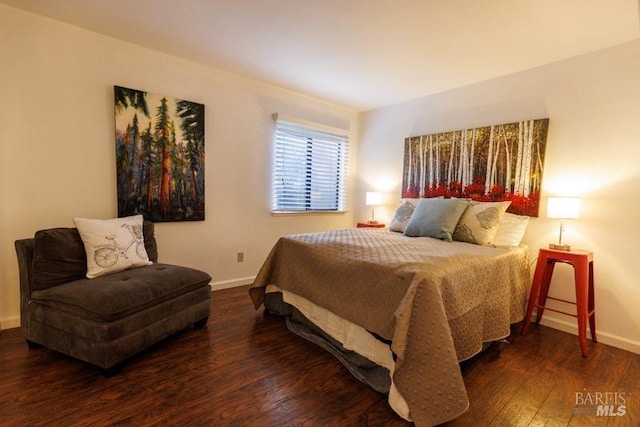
492	163
159	156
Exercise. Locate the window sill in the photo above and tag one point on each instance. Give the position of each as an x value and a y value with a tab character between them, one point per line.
290	213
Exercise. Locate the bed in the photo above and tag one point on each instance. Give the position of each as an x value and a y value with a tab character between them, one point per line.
400	312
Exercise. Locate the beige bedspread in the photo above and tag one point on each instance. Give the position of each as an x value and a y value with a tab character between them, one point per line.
436	301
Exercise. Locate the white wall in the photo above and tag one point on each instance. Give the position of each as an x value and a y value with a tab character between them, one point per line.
57	149
57	156
593	103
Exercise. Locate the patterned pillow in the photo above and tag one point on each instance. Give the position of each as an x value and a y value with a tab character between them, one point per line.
480	222
403	215
112	245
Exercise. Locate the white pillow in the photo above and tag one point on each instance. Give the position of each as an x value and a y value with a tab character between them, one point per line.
511	230
403	215
112	245
480	222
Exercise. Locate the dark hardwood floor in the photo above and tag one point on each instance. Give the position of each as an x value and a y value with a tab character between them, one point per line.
246	369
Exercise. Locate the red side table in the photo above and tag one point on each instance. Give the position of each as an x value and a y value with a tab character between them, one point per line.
370	225
582	262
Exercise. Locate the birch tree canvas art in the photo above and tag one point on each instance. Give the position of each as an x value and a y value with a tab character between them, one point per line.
491	163
159	156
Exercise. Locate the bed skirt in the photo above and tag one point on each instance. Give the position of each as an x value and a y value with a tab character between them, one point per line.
376	376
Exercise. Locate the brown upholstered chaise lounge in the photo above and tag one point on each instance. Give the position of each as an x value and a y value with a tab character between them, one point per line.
107	319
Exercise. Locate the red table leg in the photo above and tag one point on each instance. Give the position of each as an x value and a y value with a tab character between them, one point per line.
582	263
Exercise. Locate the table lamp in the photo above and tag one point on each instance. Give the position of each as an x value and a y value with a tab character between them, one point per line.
373	199
562	208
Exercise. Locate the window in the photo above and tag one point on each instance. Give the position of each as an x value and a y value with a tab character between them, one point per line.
309	168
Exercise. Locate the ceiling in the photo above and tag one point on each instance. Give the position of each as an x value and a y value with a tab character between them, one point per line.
362	54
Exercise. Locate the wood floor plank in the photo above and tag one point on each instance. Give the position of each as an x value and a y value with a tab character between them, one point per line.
246	368
629	384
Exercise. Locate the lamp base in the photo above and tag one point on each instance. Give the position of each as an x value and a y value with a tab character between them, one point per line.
559	247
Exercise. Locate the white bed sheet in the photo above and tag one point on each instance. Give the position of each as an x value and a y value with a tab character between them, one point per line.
352	337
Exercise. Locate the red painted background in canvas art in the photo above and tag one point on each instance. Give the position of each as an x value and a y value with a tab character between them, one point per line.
491	163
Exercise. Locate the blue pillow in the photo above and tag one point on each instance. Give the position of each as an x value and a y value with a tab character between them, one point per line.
436	218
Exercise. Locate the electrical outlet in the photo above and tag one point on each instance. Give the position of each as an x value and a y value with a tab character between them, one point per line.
240	257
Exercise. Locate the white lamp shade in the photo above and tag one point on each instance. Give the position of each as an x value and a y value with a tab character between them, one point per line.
373	198
563	207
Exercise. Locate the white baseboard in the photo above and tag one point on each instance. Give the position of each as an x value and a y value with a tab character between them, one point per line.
603	337
225	284
10	322
560	324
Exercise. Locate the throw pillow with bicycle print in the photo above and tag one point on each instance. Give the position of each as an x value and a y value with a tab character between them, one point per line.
112	245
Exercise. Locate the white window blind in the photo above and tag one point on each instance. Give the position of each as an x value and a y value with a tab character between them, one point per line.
309	169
